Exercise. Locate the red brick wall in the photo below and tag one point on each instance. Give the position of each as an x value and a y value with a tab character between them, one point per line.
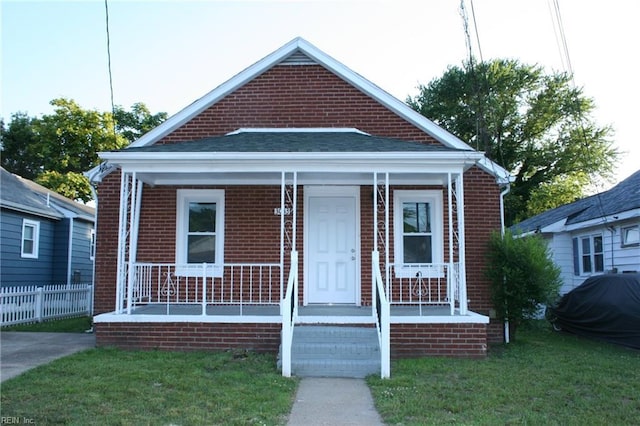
482	215
451	340
407	340
297	96
191	336
107	244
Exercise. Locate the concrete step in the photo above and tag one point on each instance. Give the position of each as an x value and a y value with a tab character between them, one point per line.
335	351
335	368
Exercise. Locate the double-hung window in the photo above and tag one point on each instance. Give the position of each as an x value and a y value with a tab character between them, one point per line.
630	236
200	232
30	239
418	232
588	254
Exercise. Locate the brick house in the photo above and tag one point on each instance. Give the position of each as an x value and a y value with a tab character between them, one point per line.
297	197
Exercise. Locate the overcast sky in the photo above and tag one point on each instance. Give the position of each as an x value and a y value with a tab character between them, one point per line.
168	53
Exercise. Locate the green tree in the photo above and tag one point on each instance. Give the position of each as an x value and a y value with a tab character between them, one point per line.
522	277
21	153
55	149
537	126
136	122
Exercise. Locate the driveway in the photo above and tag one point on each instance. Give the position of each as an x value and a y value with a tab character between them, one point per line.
21	351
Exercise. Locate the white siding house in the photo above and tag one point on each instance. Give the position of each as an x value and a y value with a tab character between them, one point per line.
592	236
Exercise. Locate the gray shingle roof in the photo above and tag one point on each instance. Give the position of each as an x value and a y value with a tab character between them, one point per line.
622	197
25	195
295	142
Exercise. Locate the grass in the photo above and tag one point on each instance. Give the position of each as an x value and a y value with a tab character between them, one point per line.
114	387
541	378
68	325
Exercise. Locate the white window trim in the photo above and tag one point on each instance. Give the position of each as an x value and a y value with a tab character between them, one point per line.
36	239
592	258
184	197
623	232
434	198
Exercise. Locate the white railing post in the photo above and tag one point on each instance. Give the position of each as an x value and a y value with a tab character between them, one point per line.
287	311
39	303
204	288
384	320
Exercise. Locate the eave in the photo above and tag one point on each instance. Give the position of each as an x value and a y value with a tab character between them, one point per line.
196	167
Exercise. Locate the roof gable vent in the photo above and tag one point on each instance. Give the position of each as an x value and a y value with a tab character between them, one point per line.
297	58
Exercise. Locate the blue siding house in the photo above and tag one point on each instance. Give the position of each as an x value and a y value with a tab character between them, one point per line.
592	236
45	238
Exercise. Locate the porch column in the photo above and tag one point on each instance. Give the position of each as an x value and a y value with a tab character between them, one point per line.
381	236
134	225
288	206
130	194
461	244
282	198
121	265
450	276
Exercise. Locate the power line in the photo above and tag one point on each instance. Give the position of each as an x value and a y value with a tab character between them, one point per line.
113	108
556	17
475	26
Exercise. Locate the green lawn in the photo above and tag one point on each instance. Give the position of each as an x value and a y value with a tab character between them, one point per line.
544	378
67	325
115	387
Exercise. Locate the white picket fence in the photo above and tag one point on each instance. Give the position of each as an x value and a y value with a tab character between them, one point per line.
27	304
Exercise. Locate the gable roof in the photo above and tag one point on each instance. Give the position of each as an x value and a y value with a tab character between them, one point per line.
299	51
290	140
623	197
18	193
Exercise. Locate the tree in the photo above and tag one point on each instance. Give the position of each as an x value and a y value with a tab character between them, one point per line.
135	123
523	277
21	153
535	125
55	149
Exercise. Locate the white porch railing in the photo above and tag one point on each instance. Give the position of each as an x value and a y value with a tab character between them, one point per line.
26	304
238	284
423	285
383	316
288	307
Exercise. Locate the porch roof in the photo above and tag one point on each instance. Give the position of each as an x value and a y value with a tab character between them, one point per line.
261	155
256	140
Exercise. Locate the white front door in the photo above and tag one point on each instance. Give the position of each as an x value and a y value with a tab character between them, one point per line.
331	249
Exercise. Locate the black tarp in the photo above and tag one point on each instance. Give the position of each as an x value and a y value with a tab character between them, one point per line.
605	307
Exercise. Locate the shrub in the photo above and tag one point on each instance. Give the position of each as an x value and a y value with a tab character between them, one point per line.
522	276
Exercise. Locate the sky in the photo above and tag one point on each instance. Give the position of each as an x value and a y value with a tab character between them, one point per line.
167	54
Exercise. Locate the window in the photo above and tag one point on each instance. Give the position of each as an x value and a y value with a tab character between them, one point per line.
30	239
631	236
418	229
200	232
588	255
92	245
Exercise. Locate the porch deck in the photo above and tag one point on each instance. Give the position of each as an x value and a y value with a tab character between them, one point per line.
328	314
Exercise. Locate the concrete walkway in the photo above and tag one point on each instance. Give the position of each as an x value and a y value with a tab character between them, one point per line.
21	351
335	402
